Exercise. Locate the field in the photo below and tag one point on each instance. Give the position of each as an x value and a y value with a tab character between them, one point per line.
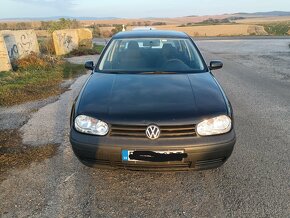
217	30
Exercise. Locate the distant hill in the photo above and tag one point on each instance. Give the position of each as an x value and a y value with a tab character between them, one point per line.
57	18
264	14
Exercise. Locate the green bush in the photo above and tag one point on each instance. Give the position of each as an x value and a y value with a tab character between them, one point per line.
277	29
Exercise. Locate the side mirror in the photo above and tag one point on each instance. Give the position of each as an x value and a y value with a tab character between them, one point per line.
214	65
89	65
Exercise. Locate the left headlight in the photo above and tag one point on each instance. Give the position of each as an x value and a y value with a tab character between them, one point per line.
91	125
214	126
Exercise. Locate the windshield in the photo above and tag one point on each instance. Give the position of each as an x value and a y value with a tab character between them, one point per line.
151	55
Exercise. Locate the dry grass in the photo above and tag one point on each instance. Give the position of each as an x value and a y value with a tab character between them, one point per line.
217	30
109	28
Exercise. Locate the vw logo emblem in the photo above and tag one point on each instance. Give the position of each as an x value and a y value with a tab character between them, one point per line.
153	132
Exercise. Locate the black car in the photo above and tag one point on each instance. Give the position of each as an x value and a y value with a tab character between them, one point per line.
152	103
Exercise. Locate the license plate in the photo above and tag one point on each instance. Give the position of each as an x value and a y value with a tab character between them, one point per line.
127	153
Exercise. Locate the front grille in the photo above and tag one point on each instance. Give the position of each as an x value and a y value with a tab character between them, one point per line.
131	131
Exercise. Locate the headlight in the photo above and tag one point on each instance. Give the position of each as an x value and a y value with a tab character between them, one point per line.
215	126
90	125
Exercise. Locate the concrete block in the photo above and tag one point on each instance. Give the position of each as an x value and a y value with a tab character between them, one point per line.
20	43
68	39
65	41
85	38
5	64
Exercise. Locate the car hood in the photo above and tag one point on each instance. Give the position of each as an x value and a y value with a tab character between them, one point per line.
146	99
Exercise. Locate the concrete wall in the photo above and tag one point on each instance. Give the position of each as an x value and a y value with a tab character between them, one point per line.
67	40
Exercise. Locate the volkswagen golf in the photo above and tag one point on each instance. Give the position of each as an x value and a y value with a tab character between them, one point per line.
152	103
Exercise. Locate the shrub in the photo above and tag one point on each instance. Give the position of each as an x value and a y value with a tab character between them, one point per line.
46	46
118	28
107	34
279	28
97	49
36	62
159	23
62	23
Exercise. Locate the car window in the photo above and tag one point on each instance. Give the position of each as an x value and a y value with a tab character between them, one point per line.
151	55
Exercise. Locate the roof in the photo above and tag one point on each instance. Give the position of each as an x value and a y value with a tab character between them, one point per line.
150	34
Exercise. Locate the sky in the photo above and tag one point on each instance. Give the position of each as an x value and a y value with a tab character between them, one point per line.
134	8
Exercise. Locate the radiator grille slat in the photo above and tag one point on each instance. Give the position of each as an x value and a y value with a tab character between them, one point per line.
165	131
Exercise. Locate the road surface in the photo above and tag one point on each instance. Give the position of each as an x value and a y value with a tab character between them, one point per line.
255	182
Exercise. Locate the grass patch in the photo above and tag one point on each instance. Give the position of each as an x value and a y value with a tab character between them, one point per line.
70	70
278	28
35	78
97	49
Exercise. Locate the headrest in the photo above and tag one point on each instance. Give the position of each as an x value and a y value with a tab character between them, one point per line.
167	46
133	45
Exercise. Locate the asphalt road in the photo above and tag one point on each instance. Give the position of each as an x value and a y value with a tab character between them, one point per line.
255	182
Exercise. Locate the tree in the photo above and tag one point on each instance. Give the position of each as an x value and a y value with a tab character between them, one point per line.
3	26
118	28
96	31
63	23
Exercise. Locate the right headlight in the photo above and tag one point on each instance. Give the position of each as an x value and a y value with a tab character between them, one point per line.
214	126
89	125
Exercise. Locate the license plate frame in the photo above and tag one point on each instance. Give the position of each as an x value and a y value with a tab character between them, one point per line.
126	154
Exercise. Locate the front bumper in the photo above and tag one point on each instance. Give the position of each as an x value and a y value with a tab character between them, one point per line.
202	152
